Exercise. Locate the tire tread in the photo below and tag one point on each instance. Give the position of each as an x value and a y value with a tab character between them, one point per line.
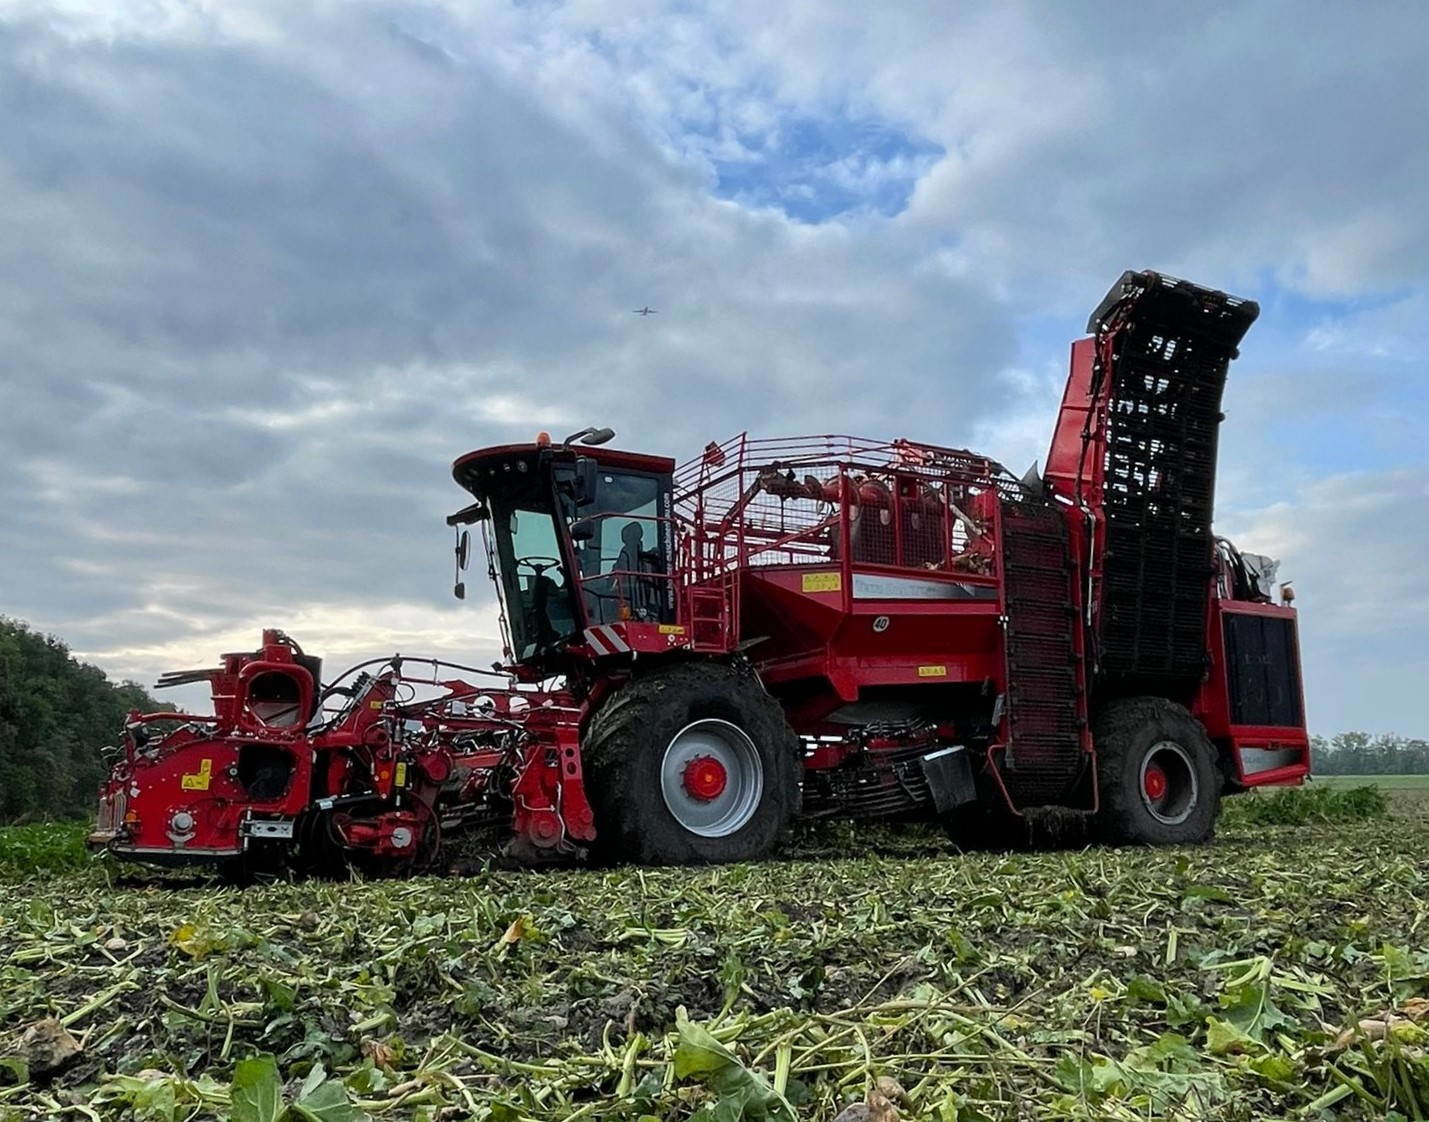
1119	733
632	824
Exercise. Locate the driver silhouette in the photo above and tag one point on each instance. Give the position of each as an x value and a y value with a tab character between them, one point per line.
640	593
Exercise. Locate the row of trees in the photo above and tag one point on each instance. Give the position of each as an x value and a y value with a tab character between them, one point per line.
55	714
1358	753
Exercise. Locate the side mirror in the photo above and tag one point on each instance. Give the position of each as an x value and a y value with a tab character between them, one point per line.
463	555
583	531
585	481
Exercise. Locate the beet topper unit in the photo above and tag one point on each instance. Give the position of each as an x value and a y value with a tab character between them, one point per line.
696	656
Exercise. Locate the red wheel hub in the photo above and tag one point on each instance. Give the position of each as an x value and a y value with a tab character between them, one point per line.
705	778
1154	783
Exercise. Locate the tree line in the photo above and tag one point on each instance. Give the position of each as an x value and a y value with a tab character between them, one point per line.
55	714
1359	753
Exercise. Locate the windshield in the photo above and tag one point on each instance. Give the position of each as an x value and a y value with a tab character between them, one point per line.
624	561
614	525
539	607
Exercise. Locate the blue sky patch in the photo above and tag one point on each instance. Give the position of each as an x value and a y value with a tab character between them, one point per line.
819	168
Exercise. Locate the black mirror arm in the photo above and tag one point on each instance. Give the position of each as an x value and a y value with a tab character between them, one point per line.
476	512
589	435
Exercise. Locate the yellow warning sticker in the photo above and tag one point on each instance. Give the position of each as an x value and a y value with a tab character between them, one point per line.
374	704
401	780
932	671
198	780
671	629
822	582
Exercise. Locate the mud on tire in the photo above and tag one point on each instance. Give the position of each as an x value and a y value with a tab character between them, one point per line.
1157	773
635	744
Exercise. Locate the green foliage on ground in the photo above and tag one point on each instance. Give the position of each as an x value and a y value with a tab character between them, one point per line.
42	849
55	715
1313	804
1249	979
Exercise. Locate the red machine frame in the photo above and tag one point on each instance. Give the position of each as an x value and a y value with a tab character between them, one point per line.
867	584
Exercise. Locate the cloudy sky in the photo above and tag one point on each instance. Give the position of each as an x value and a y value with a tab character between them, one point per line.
267	268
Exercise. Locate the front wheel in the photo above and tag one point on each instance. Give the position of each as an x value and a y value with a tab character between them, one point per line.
691	764
1157	774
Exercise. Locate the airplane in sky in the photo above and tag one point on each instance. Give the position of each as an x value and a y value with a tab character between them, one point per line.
646	312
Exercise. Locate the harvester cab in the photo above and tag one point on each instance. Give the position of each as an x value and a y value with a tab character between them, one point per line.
578	538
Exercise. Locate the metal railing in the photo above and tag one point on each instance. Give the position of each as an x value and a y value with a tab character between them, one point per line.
836	500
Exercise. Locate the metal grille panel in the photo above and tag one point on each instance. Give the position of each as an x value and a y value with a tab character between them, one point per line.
1263	671
1173	344
1044	756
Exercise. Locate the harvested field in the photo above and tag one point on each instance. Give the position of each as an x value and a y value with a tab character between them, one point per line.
1279	972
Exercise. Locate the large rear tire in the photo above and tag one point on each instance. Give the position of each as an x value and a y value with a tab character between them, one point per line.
691	764
1157	774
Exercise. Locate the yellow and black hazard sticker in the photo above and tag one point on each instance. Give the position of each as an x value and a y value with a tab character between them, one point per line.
198	780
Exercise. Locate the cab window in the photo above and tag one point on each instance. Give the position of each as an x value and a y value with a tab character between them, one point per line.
623	556
538	596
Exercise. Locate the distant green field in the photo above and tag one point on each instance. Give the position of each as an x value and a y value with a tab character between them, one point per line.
1384	782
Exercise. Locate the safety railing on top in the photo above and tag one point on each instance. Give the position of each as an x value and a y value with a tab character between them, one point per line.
837	499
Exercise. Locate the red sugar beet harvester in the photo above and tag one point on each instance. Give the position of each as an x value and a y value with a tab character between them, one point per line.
816	626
